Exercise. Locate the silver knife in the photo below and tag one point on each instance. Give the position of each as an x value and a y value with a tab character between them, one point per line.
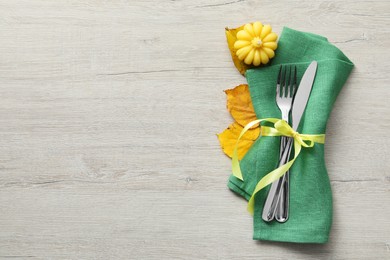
298	107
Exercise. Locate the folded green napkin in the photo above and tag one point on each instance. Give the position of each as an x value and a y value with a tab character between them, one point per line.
310	215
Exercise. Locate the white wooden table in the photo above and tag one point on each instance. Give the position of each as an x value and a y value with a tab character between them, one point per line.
108	116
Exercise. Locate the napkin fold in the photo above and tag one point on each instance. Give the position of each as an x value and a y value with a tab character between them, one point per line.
310	215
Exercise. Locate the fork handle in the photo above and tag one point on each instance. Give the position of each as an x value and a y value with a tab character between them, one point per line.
282	208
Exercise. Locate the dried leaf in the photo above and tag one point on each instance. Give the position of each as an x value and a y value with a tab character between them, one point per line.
240	105
231	39
228	139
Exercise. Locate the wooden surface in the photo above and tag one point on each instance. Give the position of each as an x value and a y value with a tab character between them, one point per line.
108	116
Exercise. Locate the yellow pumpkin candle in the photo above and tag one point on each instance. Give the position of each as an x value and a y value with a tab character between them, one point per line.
255	44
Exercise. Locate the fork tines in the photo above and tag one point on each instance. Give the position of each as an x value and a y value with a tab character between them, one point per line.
287	81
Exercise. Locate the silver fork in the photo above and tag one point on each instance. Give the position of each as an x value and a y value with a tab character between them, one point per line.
285	90
282	207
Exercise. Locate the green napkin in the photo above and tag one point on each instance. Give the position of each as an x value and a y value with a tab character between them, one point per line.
310	215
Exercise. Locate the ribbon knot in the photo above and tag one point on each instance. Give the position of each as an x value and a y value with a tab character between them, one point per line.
286	130
281	128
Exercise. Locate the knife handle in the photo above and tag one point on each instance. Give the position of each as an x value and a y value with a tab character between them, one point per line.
274	193
282	207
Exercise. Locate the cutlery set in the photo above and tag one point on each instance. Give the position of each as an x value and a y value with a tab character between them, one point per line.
285	107
291	102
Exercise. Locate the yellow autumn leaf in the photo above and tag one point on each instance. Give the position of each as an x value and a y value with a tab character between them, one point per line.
239	104
228	139
231	37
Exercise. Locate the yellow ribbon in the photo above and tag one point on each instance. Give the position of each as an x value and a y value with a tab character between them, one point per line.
281	128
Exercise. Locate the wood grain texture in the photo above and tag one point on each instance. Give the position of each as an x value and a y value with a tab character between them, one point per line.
108	116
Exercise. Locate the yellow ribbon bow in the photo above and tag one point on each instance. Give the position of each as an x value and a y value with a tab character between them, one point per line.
281	128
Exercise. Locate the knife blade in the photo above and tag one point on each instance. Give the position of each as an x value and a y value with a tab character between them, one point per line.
302	95
298	107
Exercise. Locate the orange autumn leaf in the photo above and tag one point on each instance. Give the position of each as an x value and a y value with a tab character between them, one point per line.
231	37
239	104
228	139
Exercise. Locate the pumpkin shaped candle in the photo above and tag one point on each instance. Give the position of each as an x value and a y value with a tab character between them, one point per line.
256	44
